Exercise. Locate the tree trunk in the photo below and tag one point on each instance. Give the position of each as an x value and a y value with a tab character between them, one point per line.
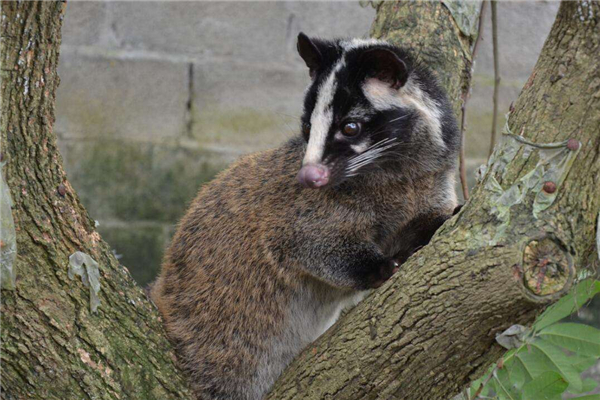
431	329
53	346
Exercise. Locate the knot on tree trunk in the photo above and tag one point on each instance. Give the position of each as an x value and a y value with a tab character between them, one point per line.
547	269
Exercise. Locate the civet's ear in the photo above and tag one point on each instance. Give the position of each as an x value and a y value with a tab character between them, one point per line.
384	65
309	53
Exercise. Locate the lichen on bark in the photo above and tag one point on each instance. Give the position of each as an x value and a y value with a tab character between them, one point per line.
8	237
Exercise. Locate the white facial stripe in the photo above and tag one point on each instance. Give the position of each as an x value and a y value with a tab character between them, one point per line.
356	43
322	118
410	95
360	148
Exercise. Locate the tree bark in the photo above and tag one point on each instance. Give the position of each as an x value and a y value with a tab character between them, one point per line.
53	346
431	328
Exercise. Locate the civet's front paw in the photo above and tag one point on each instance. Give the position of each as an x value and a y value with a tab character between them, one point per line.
385	272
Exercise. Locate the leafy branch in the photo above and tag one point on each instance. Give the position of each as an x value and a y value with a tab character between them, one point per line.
546	360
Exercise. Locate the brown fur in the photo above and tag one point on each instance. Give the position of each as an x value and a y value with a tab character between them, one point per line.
242	252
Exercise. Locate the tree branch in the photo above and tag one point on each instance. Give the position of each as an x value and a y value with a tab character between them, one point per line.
431	329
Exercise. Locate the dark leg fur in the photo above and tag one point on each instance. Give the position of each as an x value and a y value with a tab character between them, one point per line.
417	233
343	261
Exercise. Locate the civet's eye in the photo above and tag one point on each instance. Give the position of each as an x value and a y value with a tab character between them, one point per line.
351	129
306	129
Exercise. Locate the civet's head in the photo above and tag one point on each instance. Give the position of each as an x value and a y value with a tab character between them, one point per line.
370	108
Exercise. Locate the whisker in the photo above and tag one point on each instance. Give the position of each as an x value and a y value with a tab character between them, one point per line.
378	151
373	156
372	147
364	161
399	118
370	154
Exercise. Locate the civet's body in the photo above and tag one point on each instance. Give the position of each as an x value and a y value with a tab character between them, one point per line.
276	246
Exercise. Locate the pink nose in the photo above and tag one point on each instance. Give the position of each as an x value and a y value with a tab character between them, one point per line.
313	176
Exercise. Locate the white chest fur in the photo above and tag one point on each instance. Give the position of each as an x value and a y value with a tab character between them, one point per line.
310	313
331	313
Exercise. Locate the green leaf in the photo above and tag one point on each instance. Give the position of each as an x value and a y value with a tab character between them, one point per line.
504	388
475	385
589	384
517	373
558	362
588	397
579	338
534	363
570	303
548	386
582	363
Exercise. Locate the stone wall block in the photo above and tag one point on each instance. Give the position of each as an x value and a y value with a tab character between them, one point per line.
246	109
85	23
111	98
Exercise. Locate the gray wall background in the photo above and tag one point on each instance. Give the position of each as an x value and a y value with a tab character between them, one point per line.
157	97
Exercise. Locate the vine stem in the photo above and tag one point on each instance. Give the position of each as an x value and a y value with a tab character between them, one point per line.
496	74
476	395
482	385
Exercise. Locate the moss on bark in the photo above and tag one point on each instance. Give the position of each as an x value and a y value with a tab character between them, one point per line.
53	347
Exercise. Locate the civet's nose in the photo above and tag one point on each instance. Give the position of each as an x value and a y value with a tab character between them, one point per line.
313	176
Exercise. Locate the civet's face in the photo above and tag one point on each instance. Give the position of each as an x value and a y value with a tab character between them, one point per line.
363	109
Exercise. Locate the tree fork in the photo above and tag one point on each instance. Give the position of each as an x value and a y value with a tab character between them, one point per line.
53	346
430	330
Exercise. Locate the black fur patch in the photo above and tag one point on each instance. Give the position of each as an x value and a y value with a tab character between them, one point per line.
413	149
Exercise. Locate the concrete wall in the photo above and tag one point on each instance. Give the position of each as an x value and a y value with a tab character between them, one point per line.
155	98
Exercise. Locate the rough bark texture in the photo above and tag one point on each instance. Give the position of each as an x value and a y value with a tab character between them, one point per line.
429	330
53	347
